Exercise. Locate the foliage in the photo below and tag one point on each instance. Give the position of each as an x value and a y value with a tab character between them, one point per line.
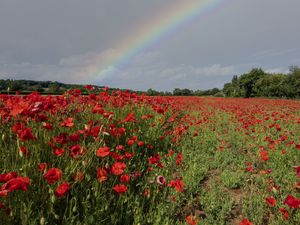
50	87
258	83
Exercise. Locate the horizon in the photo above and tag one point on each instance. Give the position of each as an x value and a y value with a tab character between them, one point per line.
136	90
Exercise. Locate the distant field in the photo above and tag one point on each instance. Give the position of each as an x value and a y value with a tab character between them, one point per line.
123	158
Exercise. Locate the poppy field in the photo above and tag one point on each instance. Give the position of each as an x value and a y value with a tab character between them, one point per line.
122	158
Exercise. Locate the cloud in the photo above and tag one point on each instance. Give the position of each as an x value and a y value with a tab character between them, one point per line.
78	42
277	70
74	69
146	70
89	58
273	53
29	71
150	70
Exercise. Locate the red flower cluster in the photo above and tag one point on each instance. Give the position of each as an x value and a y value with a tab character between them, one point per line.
292	202
102	152
271	201
246	222
53	175
120	188
177	184
62	189
13	182
23	132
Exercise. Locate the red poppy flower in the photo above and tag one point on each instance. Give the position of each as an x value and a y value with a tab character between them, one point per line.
120	188
47	126
17	127
95	131
154	159
284	212
179	159
98	109
101	175
116	156
249	167
171	152
102	152
150	146
24	151
118	168
26	134
292	202
140	143
42	167
271	201
283	152
191	220
61	139
16	110
130	118
69	122
53	175
89	87
62	189
161	180
7	176
3	193
58	151
74	137
177	184
246	222
125	178
120	147
128	155
18	183
130	142
264	155
297	168
76	151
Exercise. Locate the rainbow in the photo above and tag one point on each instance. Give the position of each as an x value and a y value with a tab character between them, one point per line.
152	32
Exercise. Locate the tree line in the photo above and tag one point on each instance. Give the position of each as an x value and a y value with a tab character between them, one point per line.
255	83
50	87
258	83
186	92
31	85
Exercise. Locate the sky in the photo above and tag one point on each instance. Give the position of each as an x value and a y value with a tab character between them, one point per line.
90	42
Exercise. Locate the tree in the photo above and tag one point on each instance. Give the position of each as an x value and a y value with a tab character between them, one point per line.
177	92
152	92
183	92
53	88
271	85
37	88
233	88
293	82
248	80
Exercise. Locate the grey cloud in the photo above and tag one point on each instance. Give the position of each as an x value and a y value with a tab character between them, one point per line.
277	70
159	75
74	40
